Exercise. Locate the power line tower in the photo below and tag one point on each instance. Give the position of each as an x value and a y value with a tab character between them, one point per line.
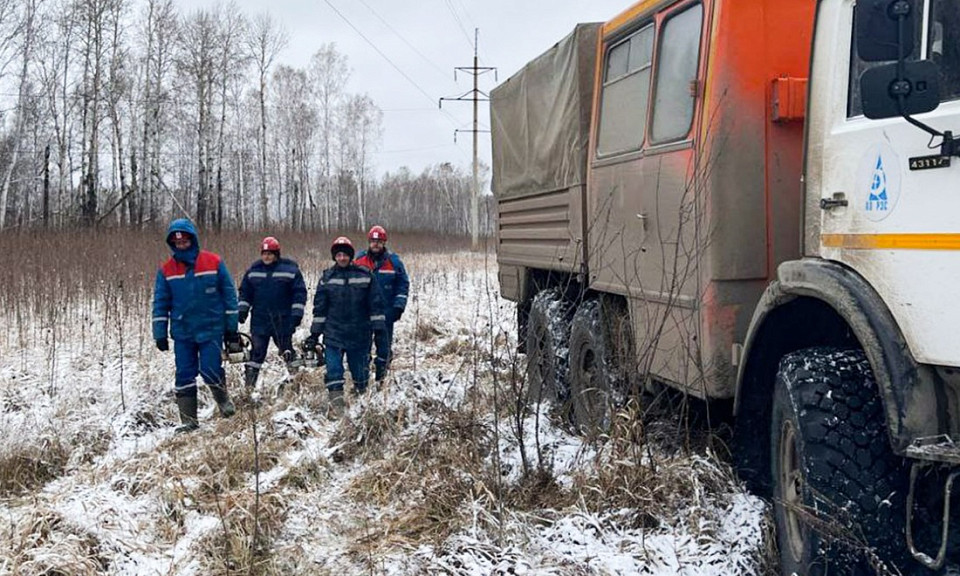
476	96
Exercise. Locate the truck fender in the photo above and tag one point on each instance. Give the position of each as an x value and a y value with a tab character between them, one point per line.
909	399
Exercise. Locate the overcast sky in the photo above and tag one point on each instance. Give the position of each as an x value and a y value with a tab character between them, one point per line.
426	40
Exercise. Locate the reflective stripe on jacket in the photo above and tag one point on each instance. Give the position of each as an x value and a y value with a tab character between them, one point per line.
392	279
346	307
275	295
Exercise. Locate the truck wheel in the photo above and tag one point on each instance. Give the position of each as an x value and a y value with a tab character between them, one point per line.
838	488
595	392
548	332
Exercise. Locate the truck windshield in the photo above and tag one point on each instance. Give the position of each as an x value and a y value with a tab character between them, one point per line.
943	45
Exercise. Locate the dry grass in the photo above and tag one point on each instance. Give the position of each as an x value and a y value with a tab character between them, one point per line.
233	550
215	481
431	473
28	461
43	543
24	469
368	436
76	277
638	469
427	333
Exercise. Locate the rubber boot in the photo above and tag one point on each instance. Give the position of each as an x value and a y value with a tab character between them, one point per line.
250	376
380	372
227	409
335	403
188	414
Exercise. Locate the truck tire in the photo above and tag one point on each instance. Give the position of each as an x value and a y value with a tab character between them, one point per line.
595	388
838	488
548	333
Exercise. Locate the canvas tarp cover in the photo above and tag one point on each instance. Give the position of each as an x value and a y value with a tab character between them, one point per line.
540	119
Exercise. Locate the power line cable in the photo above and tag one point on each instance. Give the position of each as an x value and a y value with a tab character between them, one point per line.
446	114
405	41
423	149
380	52
459	22
471	21
385	110
466	12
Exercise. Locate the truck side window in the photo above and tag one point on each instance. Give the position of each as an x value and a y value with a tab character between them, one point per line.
626	91
858	66
943	45
676	74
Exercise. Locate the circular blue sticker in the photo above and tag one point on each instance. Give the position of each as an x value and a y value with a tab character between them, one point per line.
878	181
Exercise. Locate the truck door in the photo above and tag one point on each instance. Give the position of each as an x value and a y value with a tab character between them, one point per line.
886	207
642	214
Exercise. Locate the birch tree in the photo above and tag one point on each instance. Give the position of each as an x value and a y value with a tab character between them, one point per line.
232	66
363	127
158	33
198	65
27	29
329	74
297	122
265	41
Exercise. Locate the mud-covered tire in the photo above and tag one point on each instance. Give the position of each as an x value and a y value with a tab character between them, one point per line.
548	334
596	390
838	488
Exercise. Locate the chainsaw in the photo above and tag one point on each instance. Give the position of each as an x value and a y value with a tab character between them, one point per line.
310	357
239	351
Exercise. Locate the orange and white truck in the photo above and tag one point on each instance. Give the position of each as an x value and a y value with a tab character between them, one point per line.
757	203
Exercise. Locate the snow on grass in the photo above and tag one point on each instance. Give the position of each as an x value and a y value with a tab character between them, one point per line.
430	473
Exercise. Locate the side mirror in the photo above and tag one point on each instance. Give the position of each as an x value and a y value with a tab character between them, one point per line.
882	86
878	29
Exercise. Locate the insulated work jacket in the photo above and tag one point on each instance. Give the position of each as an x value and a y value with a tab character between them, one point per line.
347	307
392	280
194	294
274	295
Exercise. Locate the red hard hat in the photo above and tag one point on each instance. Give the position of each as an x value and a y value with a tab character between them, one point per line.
342	244
377	233
270	244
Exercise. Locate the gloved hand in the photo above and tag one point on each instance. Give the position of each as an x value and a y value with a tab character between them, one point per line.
397	313
311	342
163	344
243	316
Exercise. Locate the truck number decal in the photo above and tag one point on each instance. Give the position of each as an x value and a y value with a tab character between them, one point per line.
929	162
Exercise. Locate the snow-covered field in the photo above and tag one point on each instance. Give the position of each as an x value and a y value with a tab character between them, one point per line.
432	474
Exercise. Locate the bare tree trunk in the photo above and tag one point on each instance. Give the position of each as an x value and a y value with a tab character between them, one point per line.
240	191
265	43
137	216
201	213
93	67
46	186
116	92
30	8
264	216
